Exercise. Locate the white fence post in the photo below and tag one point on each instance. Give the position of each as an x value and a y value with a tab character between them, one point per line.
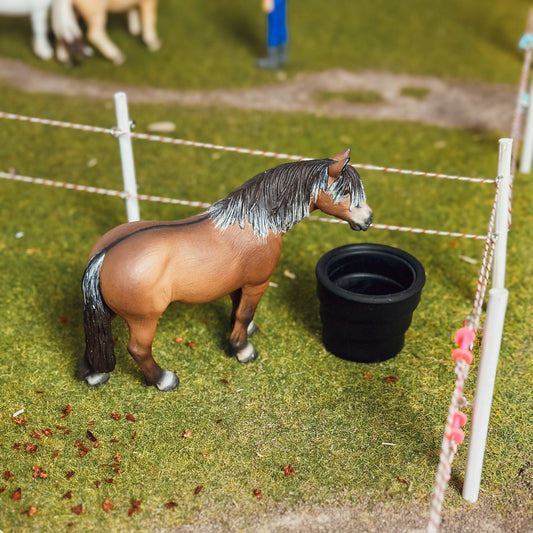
492	333
126	157
527	146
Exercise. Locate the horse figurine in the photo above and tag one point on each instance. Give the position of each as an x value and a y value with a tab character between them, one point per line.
137	269
94	13
64	25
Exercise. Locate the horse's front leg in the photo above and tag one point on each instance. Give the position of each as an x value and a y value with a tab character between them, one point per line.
148	24
245	302
41	45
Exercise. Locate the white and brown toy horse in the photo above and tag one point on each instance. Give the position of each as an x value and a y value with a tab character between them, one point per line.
137	269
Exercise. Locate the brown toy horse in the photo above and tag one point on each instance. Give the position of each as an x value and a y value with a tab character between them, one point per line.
137	269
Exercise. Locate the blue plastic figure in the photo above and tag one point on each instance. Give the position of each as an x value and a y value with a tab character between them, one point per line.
277	34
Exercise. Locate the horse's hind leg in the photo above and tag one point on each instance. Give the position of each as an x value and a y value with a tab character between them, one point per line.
236	300
244	306
142	334
41	45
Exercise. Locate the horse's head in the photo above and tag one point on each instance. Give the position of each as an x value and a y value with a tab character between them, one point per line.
344	197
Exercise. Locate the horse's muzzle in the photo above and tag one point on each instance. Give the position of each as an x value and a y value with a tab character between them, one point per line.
364	226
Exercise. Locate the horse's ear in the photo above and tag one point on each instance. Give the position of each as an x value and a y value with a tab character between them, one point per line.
341	155
335	169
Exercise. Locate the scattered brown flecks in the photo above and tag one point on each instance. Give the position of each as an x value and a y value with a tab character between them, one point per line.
67	495
130	417
178	339
400	480
39	472
224	380
134	436
454	244
17	445
30	447
391	379
69	475
91	423
119	470
368	375
218	420
116	416
110	480
39	392
67	410
83	451
204	454
117	458
107	505
192	345
20	420
113	441
198	489
187	434
55	454
135	506
63	319
97	484
61	427
8	475
171	505
257	493
3	488
77	509
40	434
31	510
288	470
94	441
17	495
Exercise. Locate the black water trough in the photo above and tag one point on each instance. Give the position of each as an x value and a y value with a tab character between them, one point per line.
367	295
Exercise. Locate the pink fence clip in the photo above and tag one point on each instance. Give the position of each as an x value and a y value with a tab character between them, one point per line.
464	337
456	433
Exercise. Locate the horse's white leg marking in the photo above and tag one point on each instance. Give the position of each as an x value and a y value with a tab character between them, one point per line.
97	378
168	381
252	328
134	22
247	354
39	23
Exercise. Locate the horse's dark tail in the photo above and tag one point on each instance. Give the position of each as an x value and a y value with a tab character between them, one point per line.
99	352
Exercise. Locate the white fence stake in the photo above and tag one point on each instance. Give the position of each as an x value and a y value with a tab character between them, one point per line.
527	146
492	334
126	157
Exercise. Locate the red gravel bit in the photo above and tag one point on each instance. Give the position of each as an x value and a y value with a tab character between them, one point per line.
31	510
257	493
107	505
288	470
171	505
8	475
116	416
39	472
30	447
69	475
135	506
67	495
17	495
131	418
198	489
20	420
67	410
77	509
391	379
187	434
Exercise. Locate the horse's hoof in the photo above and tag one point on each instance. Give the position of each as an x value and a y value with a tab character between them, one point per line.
168	381
247	354
98	378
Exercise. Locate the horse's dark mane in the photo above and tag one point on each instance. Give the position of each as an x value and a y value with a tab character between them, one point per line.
278	198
